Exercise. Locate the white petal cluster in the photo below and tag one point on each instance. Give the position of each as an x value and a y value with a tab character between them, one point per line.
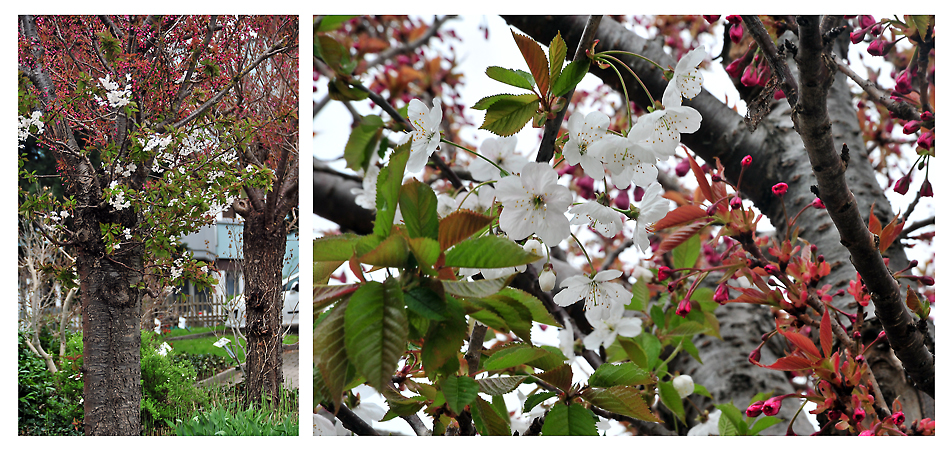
628	159
479	201
683	384
501	150
534	203
603	219
598	293
585	131
118	200
653	207
425	137
117	98
24	124
608	327
686	77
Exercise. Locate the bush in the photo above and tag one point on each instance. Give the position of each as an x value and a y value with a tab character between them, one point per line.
220	421
207	364
42	408
168	384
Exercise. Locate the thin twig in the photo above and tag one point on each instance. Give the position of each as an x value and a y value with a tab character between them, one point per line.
901	109
776	61
473	355
403	49
918	225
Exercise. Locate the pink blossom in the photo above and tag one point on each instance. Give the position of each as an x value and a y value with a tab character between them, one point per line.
663	273
926	140
711	18
623	200
773	405
927	190
735	33
780	188
880	47
755	409
911	126
722	294
817	204
683	308
903	82
772	269
903	183
859	415
898	417
682	168
747	161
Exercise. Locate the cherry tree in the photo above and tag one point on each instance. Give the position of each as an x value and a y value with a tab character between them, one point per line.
156	123
718	321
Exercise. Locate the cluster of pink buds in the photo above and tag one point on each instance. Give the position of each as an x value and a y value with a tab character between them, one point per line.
735	29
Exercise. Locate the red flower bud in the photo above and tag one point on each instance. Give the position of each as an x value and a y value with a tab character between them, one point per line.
683	308
773	405
772	269
926	190
722	294
866	433
711	18
780	188
735	33
735	203
747	161
911	126
902	184
735	68
880	47
711	210
898	417
749	78
859	415
734	19
867	20
903	83
926	280
926	140
755	355
926	116
585	185
716	178
638	193
682	168
623	200
858	35
663	273
755	409
779	94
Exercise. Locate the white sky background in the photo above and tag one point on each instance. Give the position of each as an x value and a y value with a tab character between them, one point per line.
475	54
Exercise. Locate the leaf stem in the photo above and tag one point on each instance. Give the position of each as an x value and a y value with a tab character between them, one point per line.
504	173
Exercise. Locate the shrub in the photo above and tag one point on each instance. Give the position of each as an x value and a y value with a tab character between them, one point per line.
42	409
207	364
168	388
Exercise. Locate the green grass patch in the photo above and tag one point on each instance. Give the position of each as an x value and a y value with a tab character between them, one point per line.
205	345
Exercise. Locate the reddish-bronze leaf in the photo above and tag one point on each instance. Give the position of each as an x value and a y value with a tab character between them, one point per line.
537	61
680	216
874	225
803	343
459	226
790	363
825	332
678	237
701	178
890	233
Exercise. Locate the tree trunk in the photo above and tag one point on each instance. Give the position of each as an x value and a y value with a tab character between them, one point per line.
264	245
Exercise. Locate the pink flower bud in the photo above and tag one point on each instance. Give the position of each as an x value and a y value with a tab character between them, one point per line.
755	355
911	126
902	184
585	185
859	358
926	280
755	409
735	203
880	47
859	415
682	168
866	433
663	273
926	190
867	20
722	294
903	83
817	204
638	193
623	200
898	417
773	405
734	69
711	210
711	18
735	33
779	94
926	140
683	308
772	269
749	79
926	116
858	35
747	161
734	19
780	188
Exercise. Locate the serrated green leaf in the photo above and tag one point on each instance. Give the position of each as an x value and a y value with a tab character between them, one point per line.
491	319
418	205
340	90
362	141
621	399
687	329
474	289
487	420
486	102
609	375
329	353
388	185
335	247
686	254
671	398
376	330
460	225
690	348
512	356
557	51
488	252
443	342
332	22
331	52
634	352
536	308
426	303
641	296
515	77
537	61
734	417
535	400
322	270
400	405
500	385
726	427
517	318
552	360
659	318
763	423
324	295
704	296
425	250
509	115
573	420
459	392
701	390
572	75
391	252
651	346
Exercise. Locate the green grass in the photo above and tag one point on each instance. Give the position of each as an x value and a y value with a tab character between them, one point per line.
204	345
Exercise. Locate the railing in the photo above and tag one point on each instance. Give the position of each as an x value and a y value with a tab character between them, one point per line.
198	312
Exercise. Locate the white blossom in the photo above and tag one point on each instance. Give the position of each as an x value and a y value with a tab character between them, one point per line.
653	207
686	77
603	219
683	385
547	279
710	427
425	137
598	292
628	159
584	132
366	196
565	339
607	329
534	203
501	150
24	124
668	123
117	98
479	201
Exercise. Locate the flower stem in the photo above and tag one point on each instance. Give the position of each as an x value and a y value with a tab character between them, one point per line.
473	191
591	264
645	89
624	52
504	173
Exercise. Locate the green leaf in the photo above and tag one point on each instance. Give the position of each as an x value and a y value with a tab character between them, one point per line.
322	270
641	296
572	75
701	390
488	252
474	289
734	417
324	295
332	22
537	61
509	115
511	356
329	352
651	346
331	52
557	51
609	375
362	141
400	405
634	352
425	250
671	398
515	77
486	102
726	427
487	420
491	319
334	247
340	90
459	392
535	307
418	205
426	303
621	399
443	342
460	225
391	252
518	321
535	400
376	330
552	360
573	419
500	385
687	328
763	423
388	185
686	254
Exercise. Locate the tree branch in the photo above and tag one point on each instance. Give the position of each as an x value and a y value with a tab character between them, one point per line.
406	48
776	61
352	422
